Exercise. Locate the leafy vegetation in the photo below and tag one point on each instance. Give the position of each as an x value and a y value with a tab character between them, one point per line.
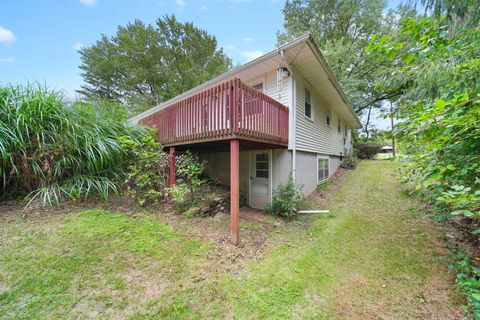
143	65
435	65
367	150
343	29
468	279
148	169
287	199
51	151
346	265
190	171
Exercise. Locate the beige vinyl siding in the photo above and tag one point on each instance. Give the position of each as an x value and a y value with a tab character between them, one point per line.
315	135
271	89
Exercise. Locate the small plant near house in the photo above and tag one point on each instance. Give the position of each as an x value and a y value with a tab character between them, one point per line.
147	173
350	162
287	199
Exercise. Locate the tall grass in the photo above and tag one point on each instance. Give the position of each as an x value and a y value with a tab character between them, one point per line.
51	151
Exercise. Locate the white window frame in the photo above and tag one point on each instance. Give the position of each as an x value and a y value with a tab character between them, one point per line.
319	157
311	104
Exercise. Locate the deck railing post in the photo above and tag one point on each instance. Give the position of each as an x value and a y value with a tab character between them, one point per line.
173	168
234	189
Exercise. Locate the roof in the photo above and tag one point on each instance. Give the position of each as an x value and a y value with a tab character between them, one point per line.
302	47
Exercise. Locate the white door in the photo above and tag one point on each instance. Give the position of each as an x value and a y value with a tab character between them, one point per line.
260	178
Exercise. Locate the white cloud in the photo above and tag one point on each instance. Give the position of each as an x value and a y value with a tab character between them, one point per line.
7	59
247	40
203	8
77	46
250	55
6	35
88	3
181	3
228	46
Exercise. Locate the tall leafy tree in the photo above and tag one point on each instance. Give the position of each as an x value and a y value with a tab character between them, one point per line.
342	29
143	65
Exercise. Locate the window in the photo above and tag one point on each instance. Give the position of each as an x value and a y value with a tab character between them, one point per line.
328	117
258	87
322	169
339	127
261	165
308	104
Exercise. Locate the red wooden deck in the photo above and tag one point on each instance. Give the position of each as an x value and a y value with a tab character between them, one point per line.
231	110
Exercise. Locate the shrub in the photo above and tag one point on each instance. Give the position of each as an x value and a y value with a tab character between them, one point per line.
147	172
190	169
367	150
287	199
51	151
350	161
180	196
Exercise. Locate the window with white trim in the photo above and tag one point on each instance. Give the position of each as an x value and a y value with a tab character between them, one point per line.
322	169
308	104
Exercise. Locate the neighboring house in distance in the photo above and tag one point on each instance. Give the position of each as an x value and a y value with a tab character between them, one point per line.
281	113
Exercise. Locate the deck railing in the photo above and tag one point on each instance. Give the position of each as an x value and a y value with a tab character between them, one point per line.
226	111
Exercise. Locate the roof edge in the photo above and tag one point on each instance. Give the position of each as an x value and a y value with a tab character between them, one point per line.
221	77
326	67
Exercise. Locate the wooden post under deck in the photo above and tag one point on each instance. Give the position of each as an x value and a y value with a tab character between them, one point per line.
234	189
173	169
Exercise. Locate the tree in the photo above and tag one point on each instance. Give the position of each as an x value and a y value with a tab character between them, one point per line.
343	30
143	65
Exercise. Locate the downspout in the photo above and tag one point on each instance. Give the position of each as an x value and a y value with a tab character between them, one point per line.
294	115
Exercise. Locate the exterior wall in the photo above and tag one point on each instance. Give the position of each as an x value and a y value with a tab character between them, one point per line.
281	93
282	166
315	135
218	165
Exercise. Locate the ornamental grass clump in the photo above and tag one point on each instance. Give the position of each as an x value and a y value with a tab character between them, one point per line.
51	151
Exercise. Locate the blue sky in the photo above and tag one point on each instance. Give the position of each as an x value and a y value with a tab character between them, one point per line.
39	39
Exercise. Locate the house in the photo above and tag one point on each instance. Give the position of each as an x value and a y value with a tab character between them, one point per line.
386	152
281	113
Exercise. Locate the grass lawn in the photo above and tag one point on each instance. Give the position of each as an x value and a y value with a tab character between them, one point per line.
376	256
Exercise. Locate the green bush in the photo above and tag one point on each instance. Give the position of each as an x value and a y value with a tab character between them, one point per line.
350	161
468	280
287	199
367	150
148	168
191	169
51	151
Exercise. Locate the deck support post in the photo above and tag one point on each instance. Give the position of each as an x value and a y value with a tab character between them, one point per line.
172	174
234	189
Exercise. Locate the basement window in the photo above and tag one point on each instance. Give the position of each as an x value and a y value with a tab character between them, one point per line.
308	104
322	169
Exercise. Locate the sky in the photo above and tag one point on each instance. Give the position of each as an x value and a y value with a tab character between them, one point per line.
39	39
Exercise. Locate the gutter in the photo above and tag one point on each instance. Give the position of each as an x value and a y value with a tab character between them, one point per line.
294	113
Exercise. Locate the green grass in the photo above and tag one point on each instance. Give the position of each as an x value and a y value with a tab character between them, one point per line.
89	264
376	256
